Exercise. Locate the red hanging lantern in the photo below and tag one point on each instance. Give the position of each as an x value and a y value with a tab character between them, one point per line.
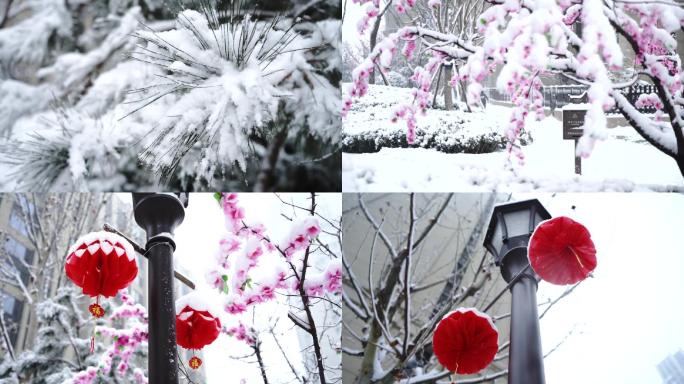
101	263
561	251
465	341
197	325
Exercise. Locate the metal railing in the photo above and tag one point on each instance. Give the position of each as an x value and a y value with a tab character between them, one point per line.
557	96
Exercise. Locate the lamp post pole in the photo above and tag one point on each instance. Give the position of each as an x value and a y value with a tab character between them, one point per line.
526	362
507	239
159	214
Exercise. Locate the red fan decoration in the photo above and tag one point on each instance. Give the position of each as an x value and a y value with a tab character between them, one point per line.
101	263
465	341
561	251
196	324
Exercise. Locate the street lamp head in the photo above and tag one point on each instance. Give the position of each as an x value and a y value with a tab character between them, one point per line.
159	214
511	226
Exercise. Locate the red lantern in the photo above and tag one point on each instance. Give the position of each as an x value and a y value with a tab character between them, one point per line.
197	325
101	263
561	251
465	341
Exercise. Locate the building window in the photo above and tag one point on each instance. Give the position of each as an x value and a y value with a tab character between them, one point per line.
19	253
12	309
17	221
21	208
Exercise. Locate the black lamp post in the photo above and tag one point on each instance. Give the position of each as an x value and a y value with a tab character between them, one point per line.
159	214
507	238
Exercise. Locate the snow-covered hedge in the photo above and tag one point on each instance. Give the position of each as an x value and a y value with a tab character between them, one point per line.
442	139
368	127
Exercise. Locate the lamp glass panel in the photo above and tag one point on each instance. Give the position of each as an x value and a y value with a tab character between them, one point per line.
517	222
496	239
538	219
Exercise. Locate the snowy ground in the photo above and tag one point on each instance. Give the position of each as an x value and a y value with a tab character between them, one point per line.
624	162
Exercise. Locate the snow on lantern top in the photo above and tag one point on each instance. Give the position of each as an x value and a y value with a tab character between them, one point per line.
199	300
101	263
561	251
106	239
465	341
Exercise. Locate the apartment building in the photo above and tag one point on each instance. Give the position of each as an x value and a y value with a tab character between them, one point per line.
671	369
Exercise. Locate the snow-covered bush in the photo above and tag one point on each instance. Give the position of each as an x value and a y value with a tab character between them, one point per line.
63	331
443	139
397	79
445	131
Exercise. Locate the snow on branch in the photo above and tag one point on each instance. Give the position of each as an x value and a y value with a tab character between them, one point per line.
229	81
251	269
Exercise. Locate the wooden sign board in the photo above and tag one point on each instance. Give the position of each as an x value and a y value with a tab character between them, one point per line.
573	120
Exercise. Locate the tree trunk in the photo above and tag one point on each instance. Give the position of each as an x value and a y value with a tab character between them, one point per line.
680	163
266	179
463	96
448	101
365	376
373	42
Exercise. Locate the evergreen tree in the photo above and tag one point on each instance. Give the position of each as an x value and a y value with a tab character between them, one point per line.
62	345
89	97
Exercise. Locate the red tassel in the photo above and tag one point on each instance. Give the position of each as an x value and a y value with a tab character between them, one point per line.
95	309
195	362
453	377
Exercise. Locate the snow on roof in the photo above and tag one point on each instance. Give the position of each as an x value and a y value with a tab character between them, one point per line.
575	107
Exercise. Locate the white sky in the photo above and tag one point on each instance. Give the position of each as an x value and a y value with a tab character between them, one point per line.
628	317
352	14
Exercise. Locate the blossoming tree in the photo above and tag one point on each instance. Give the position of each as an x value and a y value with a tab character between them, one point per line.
252	269
525	39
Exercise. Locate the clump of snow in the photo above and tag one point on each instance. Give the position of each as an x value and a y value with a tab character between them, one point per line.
199	300
73	68
26	43
18	99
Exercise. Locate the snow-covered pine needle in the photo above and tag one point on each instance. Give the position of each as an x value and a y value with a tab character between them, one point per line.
224	72
64	150
37	161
